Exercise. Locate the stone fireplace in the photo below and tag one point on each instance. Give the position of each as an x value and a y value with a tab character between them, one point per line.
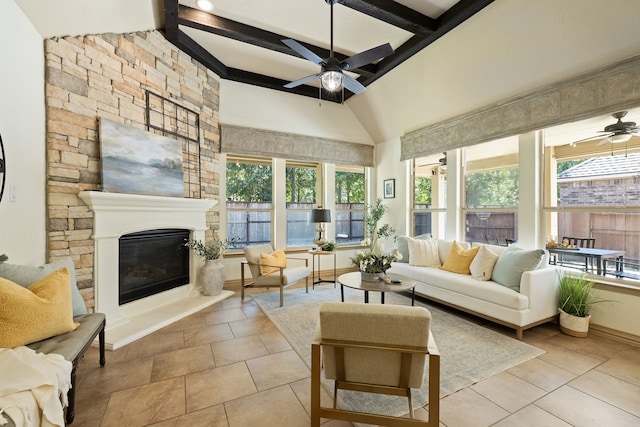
116	215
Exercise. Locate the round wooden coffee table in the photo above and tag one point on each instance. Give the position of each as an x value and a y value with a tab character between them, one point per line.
353	281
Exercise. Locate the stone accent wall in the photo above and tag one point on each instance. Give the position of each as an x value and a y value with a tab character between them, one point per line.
106	76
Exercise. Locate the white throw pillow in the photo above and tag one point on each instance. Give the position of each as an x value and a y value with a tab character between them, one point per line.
423	253
482	265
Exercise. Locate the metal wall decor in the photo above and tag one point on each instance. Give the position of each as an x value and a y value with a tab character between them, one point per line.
3	169
167	118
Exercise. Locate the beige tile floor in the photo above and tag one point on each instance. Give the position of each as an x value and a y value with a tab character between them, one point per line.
228	365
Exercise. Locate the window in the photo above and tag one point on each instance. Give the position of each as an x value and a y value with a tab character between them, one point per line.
301	182
249	201
594	193
429	196
491	192
350	202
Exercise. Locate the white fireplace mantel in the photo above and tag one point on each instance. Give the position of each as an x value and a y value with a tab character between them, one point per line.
117	214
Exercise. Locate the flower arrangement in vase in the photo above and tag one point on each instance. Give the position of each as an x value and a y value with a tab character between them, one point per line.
372	262
211	276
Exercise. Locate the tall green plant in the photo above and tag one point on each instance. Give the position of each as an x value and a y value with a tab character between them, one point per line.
575	294
374	214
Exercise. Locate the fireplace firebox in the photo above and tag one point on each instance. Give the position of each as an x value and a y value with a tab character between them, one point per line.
152	261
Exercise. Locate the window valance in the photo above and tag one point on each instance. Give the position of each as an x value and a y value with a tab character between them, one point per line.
600	92
266	143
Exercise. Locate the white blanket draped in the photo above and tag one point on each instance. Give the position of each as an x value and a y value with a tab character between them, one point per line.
33	387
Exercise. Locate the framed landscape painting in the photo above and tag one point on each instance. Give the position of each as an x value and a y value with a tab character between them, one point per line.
138	162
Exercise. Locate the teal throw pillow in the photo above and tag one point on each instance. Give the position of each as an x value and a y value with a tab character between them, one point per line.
25	275
512	263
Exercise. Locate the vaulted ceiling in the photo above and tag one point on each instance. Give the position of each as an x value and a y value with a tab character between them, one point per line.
360	24
451	57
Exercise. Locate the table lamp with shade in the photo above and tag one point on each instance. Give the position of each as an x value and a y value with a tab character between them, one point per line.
320	216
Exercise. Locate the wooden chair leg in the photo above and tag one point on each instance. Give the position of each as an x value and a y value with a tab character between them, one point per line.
241	282
315	385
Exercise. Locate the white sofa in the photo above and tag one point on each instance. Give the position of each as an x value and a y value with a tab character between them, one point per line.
535	303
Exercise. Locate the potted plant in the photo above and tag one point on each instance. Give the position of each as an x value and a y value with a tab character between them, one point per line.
372	262
575	300
211	276
328	247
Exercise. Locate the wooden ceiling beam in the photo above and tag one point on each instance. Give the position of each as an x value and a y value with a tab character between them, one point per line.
223	27
395	14
426	30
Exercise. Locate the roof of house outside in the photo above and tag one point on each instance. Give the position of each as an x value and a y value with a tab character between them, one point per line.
623	165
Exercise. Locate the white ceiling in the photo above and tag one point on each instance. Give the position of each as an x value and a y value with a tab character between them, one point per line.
509	48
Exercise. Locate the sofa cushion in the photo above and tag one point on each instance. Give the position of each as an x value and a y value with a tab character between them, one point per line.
496	249
462	284
423	252
271	262
402	246
459	259
512	263
444	247
482	265
25	275
35	313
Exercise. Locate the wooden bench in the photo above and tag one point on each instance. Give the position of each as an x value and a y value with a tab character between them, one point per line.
72	346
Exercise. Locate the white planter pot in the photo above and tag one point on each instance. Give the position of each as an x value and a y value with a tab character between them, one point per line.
211	278
573	325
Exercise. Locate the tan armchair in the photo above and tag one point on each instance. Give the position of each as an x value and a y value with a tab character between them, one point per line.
377	349
281	278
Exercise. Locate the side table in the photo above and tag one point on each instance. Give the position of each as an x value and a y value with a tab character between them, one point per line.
320	254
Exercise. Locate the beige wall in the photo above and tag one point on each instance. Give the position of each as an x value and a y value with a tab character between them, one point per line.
22	126
260	108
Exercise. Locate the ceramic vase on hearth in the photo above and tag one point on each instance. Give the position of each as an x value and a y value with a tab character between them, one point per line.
211	277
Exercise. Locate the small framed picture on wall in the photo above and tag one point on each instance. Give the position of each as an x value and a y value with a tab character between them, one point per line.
389	188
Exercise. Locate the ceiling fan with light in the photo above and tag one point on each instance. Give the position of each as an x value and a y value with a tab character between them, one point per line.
617	132
332	73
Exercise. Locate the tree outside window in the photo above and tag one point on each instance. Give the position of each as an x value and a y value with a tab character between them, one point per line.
301	198
349	202
249	201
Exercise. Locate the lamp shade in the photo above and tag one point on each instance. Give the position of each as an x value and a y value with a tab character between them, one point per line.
320	215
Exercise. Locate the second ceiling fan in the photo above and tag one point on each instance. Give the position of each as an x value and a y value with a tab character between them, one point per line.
332	73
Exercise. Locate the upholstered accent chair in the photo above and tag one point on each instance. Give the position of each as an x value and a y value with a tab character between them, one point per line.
373	348
281	276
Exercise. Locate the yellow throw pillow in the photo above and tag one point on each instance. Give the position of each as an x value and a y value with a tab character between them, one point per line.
459	260
270	262
38	312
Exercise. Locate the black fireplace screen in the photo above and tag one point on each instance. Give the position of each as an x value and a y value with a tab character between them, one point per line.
151	262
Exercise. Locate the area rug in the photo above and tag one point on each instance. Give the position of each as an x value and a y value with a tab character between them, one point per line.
468	352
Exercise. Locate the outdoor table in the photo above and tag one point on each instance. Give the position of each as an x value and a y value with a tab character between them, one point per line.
599	255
